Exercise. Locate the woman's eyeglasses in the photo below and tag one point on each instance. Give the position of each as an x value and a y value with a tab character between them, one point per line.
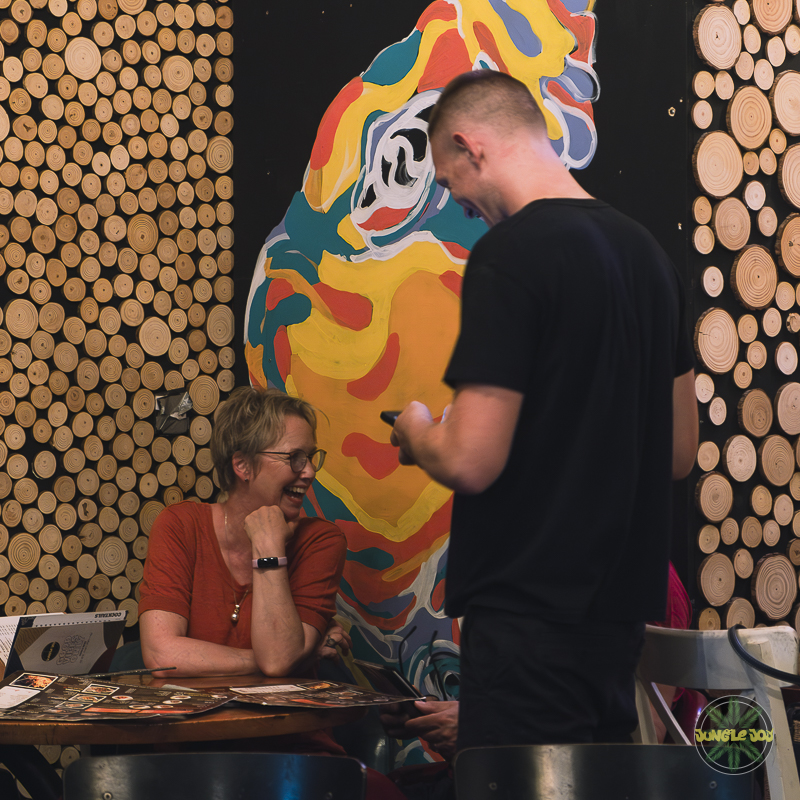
298	459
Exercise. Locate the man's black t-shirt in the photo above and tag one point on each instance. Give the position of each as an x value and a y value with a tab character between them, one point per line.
578	308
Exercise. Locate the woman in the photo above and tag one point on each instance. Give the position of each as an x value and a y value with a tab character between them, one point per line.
245	585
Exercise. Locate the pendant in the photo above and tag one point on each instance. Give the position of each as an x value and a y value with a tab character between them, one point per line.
235	615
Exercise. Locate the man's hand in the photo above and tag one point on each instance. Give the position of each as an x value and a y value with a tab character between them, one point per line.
435	721
413	416
334	637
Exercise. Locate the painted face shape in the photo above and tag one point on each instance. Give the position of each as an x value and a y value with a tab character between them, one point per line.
354	303
274	480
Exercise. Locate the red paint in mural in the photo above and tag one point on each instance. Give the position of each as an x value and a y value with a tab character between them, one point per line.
452	280
349	309
377	459
560	93
384	218
377	380
438	10
449	58
488	44
279	289
456	250
283	352
323	146
581	26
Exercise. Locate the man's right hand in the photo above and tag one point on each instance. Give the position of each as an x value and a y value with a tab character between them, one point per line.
435	721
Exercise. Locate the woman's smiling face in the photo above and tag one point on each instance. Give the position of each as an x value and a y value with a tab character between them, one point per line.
275	481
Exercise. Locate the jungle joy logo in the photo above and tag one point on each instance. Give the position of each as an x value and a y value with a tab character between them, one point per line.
734	735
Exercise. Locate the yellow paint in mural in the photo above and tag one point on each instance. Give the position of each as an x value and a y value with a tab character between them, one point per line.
334	351
420	558
350	234
418	509
420	310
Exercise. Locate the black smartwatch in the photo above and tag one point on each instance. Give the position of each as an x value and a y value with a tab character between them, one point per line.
270	563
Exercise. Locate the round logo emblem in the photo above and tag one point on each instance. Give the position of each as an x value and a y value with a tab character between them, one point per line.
733	735
50	651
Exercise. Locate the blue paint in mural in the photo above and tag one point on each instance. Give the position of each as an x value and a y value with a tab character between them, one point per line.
519	29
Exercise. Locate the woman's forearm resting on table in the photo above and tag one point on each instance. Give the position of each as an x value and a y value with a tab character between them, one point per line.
282	642
165	644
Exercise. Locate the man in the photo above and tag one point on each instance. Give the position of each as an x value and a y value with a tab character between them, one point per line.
573	411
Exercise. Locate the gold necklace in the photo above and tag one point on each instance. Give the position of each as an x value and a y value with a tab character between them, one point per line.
237	605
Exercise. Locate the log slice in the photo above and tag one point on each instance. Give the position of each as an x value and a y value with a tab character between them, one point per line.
739	611
786	358
787	408
717	36
787	244
774	585
789	175
716	579
739	458
772	16
714	496
754	277
708	539
716	341
717	164
729	530
731	223
754	413
776	460
784	97
742	374
749	117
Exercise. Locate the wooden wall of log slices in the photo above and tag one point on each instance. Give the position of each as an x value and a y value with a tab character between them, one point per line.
746	117
116	234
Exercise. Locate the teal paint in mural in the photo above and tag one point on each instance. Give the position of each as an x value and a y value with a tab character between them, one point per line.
394	62
372	557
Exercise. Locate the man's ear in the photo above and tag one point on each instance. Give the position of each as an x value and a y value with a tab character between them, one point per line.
469	146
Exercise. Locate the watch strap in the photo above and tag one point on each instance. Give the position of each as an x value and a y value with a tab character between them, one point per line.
270	563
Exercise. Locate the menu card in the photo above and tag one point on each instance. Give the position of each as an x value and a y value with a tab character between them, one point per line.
314	694
67	644
39	696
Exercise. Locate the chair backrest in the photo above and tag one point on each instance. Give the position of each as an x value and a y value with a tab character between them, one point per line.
706	660
215	776
593	772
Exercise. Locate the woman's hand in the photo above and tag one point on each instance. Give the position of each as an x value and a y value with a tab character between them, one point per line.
334	637
268	527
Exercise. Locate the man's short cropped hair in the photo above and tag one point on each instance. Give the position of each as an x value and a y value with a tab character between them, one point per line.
251	420
489	96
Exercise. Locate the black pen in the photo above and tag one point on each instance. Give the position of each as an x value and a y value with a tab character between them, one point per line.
130	672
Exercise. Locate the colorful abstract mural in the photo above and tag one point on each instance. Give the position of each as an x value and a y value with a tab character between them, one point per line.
354	301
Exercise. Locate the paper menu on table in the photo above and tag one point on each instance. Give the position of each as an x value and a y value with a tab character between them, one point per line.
8	630
66	644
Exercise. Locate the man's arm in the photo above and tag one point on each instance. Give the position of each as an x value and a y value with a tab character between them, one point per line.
468	451
685	425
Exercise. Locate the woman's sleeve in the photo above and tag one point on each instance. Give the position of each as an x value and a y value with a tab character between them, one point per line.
167	581
315	570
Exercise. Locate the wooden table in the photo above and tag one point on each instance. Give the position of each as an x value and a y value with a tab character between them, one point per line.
217	724
247	722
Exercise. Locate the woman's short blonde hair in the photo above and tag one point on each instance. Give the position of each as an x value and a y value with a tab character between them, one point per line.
249	421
